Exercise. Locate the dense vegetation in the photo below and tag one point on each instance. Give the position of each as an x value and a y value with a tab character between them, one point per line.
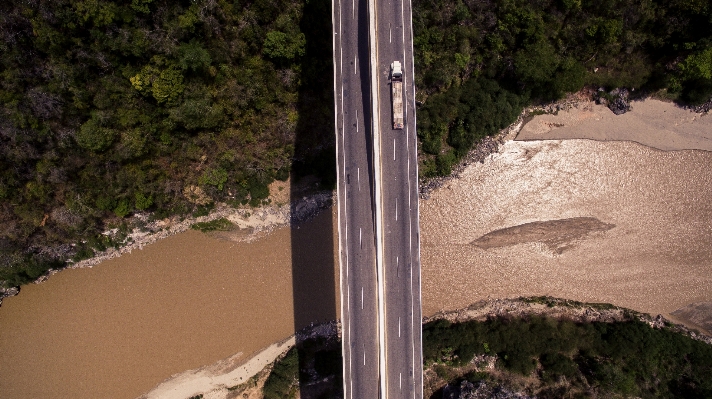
109	108
113	108
594	359
478	62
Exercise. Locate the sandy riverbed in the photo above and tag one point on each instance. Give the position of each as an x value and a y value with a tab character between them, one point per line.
653	123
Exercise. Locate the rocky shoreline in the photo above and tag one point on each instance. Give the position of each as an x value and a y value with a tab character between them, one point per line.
490	144
560	309
258	221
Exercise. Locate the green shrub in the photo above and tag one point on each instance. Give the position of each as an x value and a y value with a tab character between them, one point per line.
122	209
221	224
281	45
283	381
214	177
142	202
556	365
92	136
18	270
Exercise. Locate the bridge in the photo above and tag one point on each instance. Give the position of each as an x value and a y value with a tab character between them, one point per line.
379	245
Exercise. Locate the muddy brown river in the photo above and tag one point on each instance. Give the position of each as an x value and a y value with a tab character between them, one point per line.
613	222
122	327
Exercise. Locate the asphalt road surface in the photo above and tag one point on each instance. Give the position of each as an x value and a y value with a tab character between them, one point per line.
399	192
399	203
359	300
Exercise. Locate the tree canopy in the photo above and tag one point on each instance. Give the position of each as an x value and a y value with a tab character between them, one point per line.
108	108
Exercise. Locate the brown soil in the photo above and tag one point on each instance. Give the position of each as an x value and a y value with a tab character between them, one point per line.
650	122
279	192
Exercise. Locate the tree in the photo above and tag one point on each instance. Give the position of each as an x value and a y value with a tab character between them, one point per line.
193	56
165	85
94	136
280	45
698	65
142	202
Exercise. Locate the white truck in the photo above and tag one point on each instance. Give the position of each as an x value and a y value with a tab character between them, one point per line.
397	94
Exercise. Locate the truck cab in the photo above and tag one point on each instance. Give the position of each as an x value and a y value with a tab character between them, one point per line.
397	94
396	72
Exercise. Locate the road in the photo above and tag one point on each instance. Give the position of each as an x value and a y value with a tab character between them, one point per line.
399	196
359	299
397	200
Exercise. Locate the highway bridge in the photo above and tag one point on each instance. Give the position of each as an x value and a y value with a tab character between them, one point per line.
379	243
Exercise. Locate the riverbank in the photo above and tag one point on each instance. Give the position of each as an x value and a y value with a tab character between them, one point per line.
651	122
222	379
248	224
578	116
556	348
237	374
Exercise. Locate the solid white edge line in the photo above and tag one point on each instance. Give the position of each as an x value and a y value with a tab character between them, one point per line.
417	376
375	122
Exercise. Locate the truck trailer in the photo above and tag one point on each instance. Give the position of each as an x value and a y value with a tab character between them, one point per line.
397	94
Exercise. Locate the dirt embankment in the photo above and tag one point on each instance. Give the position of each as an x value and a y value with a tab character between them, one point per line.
650	122
237	376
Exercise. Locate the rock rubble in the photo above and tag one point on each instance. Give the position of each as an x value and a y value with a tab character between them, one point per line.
616	100
480	390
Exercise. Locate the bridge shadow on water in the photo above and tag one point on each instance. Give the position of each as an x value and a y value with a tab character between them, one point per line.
314	266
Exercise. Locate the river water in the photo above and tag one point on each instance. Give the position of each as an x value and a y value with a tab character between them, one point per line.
122	327
650	252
